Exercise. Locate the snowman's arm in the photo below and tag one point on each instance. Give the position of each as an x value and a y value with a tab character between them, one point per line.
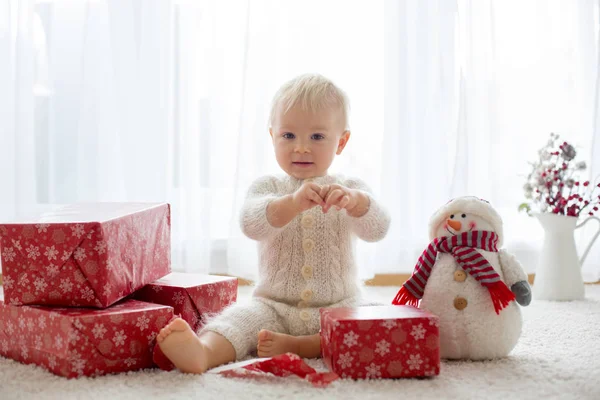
515	277
512	270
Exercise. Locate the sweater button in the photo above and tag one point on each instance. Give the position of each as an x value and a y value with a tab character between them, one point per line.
307	272
306	294
308	245
307	221
304	315
460	303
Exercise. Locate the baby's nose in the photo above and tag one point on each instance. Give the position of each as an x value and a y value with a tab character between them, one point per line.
302	148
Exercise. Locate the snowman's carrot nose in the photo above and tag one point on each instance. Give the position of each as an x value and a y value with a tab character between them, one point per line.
456	225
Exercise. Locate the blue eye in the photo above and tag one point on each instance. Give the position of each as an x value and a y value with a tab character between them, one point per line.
288	135
317	136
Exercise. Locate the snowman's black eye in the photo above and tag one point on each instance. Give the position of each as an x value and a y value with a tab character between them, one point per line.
452	216
464	215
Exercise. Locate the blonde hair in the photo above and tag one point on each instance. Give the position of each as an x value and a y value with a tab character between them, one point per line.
311	92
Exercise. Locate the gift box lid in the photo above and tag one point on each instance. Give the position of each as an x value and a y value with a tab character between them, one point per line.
374	313
78	213
190	280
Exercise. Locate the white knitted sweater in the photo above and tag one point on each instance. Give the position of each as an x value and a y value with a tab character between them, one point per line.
310	261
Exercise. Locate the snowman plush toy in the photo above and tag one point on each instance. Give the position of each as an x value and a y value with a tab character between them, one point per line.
469	283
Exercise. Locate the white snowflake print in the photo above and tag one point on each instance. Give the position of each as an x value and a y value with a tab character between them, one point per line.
58	342
40	284
142	322
87	294
9	254
151	337
23	280
119	338
178	298
99	331
434	322
77	365
211	291
52	270
17	244
373	371
107	290
30	325
222	294
77	230
350	339
33	252
383	347
42	322
100	248
414	362
345	360
24	352
22	324
66	285
157	288
129	361
79	254
51	253
78	324
73	336
389	323
8	282
66	255
418	332
38	342
4	345
42	228
51	361
10	327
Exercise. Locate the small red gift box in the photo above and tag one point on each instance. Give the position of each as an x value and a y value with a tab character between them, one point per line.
85	255
380	342
74	342
193	296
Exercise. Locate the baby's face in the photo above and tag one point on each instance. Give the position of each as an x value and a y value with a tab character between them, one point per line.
306	142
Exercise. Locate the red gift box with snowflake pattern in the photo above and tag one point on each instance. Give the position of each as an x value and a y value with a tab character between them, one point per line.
195	297
85	255
75	342
380	342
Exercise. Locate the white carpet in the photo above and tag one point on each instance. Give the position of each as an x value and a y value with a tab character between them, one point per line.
558	356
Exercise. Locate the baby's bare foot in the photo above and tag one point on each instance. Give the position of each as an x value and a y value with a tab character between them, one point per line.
272	344
181	345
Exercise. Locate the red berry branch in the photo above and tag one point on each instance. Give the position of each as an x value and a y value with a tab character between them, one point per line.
552	186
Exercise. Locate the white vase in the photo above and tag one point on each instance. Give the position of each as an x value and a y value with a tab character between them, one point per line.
558	275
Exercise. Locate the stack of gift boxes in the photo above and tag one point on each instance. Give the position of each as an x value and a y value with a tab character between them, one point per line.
88	287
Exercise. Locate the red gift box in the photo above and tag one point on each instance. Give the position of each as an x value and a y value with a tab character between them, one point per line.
75	342
380	342
193	296
85	255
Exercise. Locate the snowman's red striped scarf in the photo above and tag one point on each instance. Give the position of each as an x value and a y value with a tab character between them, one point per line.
463	248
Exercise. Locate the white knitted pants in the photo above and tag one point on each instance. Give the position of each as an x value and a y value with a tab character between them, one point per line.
240	323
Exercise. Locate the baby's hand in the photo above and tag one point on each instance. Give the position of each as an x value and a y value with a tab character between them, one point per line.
307	197
338	196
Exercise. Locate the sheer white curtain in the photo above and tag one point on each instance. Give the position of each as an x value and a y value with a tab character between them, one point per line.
167	100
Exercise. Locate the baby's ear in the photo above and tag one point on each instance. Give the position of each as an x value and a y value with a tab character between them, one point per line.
342	142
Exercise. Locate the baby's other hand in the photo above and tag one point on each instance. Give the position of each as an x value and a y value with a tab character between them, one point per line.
337	196
307	196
